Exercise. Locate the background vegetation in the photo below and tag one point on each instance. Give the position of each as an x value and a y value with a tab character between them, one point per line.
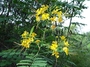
16	16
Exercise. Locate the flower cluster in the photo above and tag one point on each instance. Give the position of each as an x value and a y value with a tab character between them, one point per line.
66	44
41	13
53	15
37	42
56	15
27	39
54	47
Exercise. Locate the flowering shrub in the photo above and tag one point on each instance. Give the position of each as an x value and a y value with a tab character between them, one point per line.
52	19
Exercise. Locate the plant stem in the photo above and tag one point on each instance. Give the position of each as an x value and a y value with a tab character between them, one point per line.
55	63
70	24
71	19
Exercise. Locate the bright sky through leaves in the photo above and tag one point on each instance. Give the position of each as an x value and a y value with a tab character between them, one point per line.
86	20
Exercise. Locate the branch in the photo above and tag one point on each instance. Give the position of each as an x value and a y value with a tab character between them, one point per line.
70	19
70	22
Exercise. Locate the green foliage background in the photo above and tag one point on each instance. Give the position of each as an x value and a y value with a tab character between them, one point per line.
18	15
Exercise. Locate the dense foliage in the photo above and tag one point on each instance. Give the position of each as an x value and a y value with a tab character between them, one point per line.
32	34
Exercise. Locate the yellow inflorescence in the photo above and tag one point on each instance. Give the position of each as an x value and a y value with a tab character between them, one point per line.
57	15
43	14
24	35
37	41
65	49
41	10
33	35
62	37
37	18
66	44
27	39
60	19
25	43
54	47
53	19
56	54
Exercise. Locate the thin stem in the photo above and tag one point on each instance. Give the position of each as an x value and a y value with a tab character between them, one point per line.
43	37
70	19
38	50
55	63
70	24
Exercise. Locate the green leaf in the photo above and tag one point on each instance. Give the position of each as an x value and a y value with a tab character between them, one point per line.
23	64
33	61
28	61
32	30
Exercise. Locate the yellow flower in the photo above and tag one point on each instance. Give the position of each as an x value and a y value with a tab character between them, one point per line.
31	39
65	49
33	35
37	41
55	11
54	42
37	18
54	46
38	12
25	43
60	19
56	54
41	10
59	14
66	43
24	35
45	7
53	27
52	19
63	38
56	36
45	16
